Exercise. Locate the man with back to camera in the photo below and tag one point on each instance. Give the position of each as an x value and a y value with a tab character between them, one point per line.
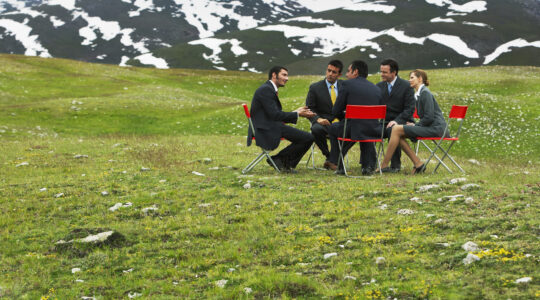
357	90
268	119
398	96
320	99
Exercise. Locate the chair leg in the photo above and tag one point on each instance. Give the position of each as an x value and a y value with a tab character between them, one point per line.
433	154
446	154
379	151
258	159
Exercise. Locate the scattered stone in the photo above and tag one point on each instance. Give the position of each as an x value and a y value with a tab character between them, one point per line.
143	169
474	162
162	181
451	198
430	215
349	277
247	186
469	186
128	270
276	203
439	221
469	200
104	193
457	180
380	260
405	212
470	259
206	160
80	242
87	298
205	204
428	187
524	280
221	283
416	199
368	283
134	295
383	207
328	255
59	195
148	209
42	189
75	270
470	246
119	205
79	280
248	290
445	245
80	156
24	163
197	173
230	270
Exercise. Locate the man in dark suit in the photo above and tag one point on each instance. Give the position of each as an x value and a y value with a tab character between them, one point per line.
356	91
398	96
268	119
320	99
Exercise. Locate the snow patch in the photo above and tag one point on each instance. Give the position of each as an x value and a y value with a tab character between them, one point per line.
150	59
215	45
517	43
22	33
455	43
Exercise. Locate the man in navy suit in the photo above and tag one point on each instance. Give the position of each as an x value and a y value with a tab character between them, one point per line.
268	119
356	91
398	96
320	99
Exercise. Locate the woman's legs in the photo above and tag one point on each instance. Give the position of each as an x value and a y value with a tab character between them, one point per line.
397	137
397	134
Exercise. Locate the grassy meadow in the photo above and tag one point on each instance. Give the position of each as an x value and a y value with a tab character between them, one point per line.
169	145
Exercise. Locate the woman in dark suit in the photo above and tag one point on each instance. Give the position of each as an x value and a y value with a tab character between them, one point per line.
431	123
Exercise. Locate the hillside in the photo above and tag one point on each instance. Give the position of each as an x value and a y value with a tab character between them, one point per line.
251	35
151	159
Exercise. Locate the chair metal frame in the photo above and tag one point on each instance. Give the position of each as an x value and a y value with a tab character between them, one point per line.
263	154
363	112
458	113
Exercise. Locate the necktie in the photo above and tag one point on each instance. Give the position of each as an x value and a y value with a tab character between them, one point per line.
389	88
332	94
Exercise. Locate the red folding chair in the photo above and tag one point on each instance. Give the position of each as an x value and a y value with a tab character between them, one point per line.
457	113
363	112
263	154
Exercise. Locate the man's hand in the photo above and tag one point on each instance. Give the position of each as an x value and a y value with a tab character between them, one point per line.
305	112
410	123
323	122
391	123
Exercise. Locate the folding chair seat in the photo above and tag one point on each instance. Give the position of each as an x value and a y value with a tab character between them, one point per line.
264	154
363	112
457	113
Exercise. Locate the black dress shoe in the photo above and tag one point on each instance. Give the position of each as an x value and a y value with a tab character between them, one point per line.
388	170
330	166
367	171
420	169
395	170
339	172
278	163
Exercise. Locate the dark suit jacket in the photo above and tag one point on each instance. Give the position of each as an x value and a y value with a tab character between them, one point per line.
359	91
400	102
267	117
318	100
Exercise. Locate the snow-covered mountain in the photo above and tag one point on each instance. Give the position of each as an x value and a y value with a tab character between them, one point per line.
252	35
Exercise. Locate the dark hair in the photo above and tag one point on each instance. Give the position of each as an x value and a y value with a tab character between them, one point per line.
361	66
392	63
421	74
276	69
337	63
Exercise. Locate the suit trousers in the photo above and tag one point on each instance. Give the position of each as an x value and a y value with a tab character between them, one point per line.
368	154
395	162
320	133
300	143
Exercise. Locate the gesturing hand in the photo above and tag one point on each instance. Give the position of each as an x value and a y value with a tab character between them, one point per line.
305	112
323	122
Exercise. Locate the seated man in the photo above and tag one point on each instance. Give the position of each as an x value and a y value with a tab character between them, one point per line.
356	91
320	99
268	119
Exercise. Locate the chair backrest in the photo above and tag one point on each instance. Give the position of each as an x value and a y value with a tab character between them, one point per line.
248	116
365	112
246	110
458	111
415	115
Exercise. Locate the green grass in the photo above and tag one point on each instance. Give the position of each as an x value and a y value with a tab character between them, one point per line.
270	238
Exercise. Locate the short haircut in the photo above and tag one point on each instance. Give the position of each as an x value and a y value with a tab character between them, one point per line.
337	63
276	69
361	66
392	63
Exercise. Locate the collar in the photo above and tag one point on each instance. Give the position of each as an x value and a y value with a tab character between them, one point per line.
417	94
393	81
328	84
274	85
